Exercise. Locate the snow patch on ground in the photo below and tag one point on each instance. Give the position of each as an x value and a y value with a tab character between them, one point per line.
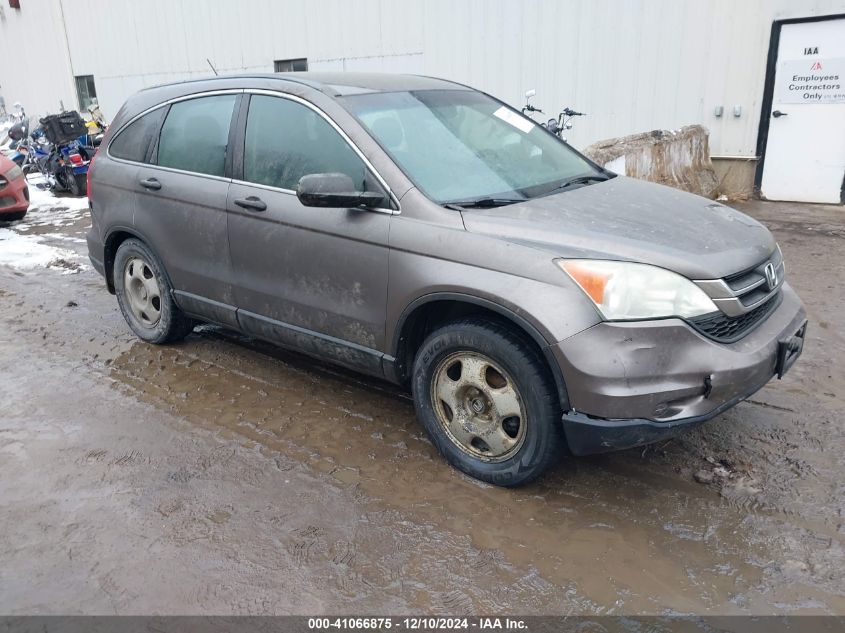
22	251
58	214
40	196
45	208
29	251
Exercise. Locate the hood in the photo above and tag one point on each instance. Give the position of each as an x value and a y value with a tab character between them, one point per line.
633	220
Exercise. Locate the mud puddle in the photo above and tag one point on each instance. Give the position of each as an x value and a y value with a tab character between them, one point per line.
618	531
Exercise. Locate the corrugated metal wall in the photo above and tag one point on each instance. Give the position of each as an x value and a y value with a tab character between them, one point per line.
631	65
34	64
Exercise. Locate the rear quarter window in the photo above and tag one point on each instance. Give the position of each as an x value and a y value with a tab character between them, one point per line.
134	141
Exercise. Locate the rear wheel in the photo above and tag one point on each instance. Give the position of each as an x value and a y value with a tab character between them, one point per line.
487	401
77	183
144	295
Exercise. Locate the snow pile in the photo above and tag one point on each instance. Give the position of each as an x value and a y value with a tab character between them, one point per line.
29	251
46	209
21	250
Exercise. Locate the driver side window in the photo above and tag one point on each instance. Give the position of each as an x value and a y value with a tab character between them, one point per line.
286	140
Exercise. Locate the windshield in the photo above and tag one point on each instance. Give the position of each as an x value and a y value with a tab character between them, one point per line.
459	145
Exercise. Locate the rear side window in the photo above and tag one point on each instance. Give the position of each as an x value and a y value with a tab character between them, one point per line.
135	139
195	135
286	140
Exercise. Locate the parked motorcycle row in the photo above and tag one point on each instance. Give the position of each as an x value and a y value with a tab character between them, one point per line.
60	148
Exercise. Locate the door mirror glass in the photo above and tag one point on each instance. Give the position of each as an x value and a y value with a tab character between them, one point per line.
335	190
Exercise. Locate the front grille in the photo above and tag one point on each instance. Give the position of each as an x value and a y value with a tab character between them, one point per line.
726	329
7	201
741	299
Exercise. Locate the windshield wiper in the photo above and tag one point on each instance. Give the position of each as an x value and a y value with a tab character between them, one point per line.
480	203
580	180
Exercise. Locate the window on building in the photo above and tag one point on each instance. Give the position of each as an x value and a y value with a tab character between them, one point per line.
290	65
195	134
286	140
133	142
85	90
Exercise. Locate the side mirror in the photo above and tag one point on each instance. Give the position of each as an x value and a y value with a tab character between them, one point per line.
334	190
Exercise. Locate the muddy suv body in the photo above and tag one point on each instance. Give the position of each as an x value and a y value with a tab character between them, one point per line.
340	216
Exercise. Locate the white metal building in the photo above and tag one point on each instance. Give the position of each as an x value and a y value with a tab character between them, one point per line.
631	65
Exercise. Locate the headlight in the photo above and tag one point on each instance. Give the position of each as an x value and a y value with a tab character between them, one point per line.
622	290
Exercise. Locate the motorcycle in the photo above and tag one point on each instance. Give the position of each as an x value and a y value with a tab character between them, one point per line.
19	145
95	127
18	132
67	167
556	126
17	114
60	151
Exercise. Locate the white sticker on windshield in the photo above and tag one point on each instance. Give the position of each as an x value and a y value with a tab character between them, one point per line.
509	116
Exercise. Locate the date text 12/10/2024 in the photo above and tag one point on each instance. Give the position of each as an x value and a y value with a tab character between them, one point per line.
417	624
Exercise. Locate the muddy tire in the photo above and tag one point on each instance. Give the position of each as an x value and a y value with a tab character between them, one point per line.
144	295
78	184
487	401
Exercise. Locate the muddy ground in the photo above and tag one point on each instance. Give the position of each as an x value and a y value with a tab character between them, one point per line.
221	475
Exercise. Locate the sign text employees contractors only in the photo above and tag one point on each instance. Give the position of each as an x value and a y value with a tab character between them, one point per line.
811	81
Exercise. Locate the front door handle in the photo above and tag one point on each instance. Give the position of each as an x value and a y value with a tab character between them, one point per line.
777	114
252	203
150	183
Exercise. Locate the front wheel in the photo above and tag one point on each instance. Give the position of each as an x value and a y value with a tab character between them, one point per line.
487	401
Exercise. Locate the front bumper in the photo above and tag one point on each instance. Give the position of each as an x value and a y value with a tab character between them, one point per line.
14	197
639	382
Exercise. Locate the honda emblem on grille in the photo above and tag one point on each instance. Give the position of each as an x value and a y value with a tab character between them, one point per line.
771	276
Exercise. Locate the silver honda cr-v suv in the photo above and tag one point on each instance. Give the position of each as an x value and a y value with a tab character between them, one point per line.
424	232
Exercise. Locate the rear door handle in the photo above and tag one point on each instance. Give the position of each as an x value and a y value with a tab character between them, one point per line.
150	183
252	203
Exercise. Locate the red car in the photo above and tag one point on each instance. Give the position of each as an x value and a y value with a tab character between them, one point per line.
14	194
